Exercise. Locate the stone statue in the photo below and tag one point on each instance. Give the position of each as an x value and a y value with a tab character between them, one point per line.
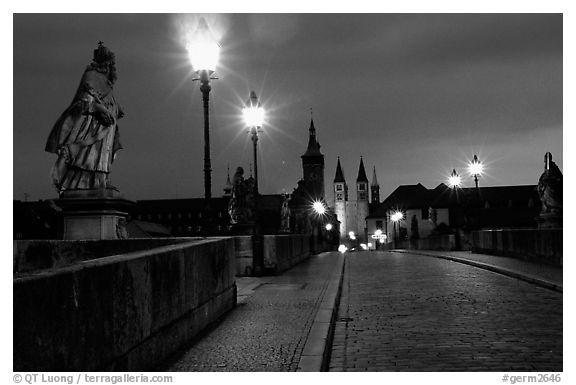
241	206
285	214
550	187
86	137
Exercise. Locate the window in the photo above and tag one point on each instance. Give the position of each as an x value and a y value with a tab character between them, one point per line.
339	196
362	196
338	187
425	213
362	187
379	225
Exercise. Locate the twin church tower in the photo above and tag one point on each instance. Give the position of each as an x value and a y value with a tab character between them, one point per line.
351	213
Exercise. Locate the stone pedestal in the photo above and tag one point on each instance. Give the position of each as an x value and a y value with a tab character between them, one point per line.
244	229
94	214
550	221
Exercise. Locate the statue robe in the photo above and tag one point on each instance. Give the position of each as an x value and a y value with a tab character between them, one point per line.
85	147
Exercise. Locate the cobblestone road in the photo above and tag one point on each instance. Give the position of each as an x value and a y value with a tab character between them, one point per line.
268	328
403	312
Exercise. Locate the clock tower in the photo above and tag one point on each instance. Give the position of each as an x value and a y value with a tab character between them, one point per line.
313	166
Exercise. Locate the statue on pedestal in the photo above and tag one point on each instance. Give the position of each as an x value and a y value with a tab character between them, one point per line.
285	214
242	205
550	193
86	137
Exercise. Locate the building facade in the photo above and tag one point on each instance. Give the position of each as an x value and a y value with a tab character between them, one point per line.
352	213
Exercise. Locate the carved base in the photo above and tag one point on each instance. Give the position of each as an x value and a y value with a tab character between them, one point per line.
550	221
94	214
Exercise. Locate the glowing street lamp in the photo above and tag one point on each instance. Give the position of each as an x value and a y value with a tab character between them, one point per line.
475	168
204	53
396	217
329	226
254	119
352	236
454	180
319	208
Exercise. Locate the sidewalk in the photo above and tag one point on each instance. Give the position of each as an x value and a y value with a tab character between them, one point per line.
541	275
281	323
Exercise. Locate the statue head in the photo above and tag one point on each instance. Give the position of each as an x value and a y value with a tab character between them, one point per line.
104	61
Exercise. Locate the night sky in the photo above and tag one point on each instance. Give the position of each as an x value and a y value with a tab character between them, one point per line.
414	94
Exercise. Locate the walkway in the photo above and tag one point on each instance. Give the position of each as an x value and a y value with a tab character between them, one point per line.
409	312
276	325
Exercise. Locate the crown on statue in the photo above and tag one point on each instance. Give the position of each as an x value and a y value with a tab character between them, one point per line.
103	54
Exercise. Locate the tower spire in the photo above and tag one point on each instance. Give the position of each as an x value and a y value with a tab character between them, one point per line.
374	179
362	172
339	178
375	188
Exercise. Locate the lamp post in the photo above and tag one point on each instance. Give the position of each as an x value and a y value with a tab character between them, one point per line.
455	181
254	118
204	52
396	218
475	168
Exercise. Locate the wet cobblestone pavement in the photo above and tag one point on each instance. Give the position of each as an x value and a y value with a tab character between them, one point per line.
268	328
404	312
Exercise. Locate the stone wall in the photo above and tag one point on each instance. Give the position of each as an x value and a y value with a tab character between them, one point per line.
36	255
440	242
125	312
280	252
537	245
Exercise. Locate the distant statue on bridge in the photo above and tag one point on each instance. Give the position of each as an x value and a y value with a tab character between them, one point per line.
550	192
86	137
550	186
285	214
241	205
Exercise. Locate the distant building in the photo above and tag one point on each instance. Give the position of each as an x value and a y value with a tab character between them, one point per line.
352	213
441	210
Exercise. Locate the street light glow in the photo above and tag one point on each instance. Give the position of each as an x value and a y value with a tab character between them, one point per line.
378	232
454	180
475	168
329	226
396	216
319	207
351	235
253	112
342	249
203	49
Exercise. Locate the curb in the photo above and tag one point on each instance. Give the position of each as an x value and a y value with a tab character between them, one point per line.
496	269
316	353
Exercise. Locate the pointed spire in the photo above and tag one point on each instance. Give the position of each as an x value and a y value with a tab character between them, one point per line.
362	172
313	145
374	180
228	186
339	178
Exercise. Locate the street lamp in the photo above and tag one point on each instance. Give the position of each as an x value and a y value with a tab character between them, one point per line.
204	52
475	168
329	226
396	217
454	180
254	118
319	208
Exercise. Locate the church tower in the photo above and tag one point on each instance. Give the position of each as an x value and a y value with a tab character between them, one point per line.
313	166
228	185
340	198
374	189
362	200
